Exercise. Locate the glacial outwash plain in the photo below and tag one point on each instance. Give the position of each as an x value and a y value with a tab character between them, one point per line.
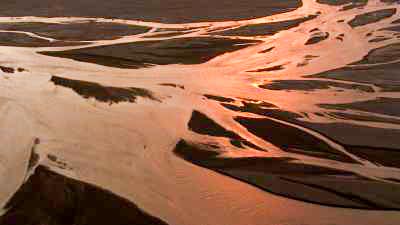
199	112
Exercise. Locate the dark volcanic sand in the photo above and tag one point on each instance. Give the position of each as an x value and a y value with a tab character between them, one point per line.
167	11
386	106
265	28
370	71
48	198
364	117
201	124
291	139
384	76
381	156
219	98
295	180
7	69
104	93
371	17
393	28
317	37
358	135
312	85
341	2
86	31
388	53
52	199
268	69
23	40
147	53
348	4
359	140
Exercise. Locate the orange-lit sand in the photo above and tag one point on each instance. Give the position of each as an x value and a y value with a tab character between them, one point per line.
127	146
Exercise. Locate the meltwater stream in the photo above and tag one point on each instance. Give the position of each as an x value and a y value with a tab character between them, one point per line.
287	119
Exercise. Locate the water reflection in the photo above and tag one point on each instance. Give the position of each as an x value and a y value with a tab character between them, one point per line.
302	104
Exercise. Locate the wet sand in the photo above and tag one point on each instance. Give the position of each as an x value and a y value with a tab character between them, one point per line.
76	32
295	106
104	93
51	199
379	67
24	40
290	139
264	29
148	53
295	180
312	85
201	124
166	11
372	17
